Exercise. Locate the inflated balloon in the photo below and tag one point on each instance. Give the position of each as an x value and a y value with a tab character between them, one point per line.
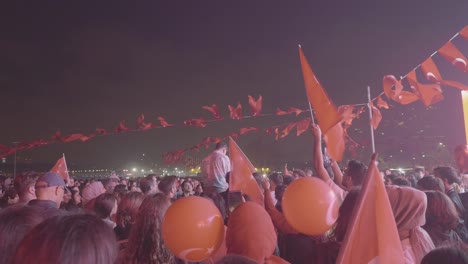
310	206
193	228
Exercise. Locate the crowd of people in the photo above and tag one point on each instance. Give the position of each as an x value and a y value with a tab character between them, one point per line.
44	219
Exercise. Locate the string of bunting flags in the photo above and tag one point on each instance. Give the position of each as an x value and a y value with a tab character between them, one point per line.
393	89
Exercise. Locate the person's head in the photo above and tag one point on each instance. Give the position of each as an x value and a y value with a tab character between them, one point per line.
73	239
124	182
168	186
448	175
279	191
344	215
409	209
110	183
24	185
147	186
449	254
153	178
419	172
15	223
76	197
222	146
66	196
440	211
50	186
275	180
145	244
236	259
119	191
128	208
199	189
287	180
400	181
187	187
309	173
71	182
105	205
92	191
430	183
298	174
354	173
389	179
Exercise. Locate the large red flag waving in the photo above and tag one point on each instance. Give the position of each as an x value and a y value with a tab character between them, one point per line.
327	114
61	168
372	235
241	178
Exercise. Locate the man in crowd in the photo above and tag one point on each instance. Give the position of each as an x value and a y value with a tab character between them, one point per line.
50	188
214	169
24	186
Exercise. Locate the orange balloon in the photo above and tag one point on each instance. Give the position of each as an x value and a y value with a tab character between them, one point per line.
310	206
193	228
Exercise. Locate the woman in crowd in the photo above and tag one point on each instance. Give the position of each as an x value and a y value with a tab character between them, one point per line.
73	239
105	208
187	189
441	219
145	244
126	213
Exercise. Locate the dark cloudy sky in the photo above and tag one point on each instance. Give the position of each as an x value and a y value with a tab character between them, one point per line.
78	65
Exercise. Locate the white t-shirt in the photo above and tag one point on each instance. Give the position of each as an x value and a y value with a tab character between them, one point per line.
214	169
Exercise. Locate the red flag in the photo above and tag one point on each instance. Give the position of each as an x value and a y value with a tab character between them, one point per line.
57	135
4	149
140	120
101	131
433	75
246	130
234	135
200	122
376	116
454	56
464	32
241	178
381	103
61	169
393	89
296	111
216	140
373	220
285	132
280	112
214	110
163	122
88	137
235	113
277	134
347	112
429	93
72	137
326	112
255	106
121	127
302	126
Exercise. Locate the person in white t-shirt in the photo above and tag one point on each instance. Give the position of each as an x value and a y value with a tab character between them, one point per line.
214	169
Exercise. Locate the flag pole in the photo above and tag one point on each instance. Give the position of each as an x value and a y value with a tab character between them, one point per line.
370	119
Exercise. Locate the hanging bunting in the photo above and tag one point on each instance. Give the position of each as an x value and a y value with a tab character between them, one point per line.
214	110
429	93
255	105
454	56
235	113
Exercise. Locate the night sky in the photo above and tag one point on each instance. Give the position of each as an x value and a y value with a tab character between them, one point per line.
78	65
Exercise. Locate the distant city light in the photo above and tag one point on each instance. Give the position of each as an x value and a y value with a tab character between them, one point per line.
134	169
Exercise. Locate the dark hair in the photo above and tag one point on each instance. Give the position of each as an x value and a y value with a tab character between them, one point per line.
441	211
236	259
69	239
145	244
357	171
186	182
276	178
127	212
401	182
430	183
287	180
453	255
166	184
279	191
10	193
221	145
15	223
299	173
104	204
219	201
344	215
146	185
448	173
419	169
24	181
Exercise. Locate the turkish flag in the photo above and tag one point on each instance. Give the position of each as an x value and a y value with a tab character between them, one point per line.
214	110
373	220
464	32
376	116
326	112
235	112
61	169
433	75
429	93
255	105
454	56
381	103
241	178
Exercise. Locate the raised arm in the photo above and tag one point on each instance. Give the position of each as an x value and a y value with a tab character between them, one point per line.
318	156
337	172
